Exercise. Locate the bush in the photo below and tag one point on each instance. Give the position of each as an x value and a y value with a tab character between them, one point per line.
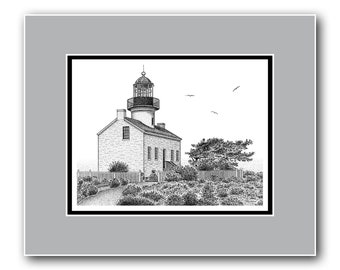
222	191
152	195
208	190
132	190
259	202
231	201
208	195
87	179
172	177
95	182
236	191
132	200
187	173
204	166
174	199
118	166
153	177
123	181
191	184
114	183
105	181
190	198
92	190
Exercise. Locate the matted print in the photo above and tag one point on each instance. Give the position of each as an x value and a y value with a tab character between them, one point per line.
169	134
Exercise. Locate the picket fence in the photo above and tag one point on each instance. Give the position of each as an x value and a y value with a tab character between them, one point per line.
136	177
132	177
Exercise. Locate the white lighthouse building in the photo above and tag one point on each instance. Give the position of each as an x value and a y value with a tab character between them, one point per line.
137	140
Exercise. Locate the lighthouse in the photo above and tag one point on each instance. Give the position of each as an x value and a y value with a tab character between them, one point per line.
143	105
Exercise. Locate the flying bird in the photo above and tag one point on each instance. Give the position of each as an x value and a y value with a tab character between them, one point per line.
189	95
214	112
236	88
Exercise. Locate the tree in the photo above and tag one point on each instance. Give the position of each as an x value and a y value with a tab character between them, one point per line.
118	166
215	153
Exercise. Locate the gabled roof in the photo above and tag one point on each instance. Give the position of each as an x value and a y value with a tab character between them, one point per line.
153	131
144	128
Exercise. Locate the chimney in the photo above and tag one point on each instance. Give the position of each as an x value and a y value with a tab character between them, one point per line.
121	114
161	125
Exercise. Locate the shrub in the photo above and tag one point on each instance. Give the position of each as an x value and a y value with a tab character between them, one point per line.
92	190
87	179
132	200
208	194
222	191
118	166
152	195
228	180
236	191
95	182
187	172
202	181
234	179
191	184
114	183
208	190
132	190
153	177
259	202
174	199
231	201
123	181
204	166
172	177
105	181
190	198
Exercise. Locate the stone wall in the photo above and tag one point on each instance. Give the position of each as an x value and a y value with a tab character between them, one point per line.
161	143
112	147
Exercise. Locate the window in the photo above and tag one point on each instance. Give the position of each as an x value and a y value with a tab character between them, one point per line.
149	153
172	155
153	121
156	153
126	133
177	155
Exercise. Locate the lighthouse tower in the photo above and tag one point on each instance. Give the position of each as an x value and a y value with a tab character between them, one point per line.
143	105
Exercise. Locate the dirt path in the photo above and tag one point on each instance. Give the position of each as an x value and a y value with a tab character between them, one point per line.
107	197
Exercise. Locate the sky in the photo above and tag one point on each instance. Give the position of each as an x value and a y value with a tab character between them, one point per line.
100	87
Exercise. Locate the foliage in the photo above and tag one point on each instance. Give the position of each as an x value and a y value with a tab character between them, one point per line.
259	202
174	199
152	195
215	153
236	191
114	183
118	166
95	182
172	177
231	201
123	181
190	198
222	190
208	195
132	200
92	190
87	179
132	190
187	172
153	176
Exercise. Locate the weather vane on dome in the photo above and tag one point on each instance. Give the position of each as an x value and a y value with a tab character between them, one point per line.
143	73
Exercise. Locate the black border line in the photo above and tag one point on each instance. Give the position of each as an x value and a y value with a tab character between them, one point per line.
169	57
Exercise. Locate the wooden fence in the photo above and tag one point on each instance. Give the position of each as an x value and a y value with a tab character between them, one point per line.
132	177
136	177
208	174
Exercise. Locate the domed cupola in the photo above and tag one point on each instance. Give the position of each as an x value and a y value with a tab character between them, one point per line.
143	105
